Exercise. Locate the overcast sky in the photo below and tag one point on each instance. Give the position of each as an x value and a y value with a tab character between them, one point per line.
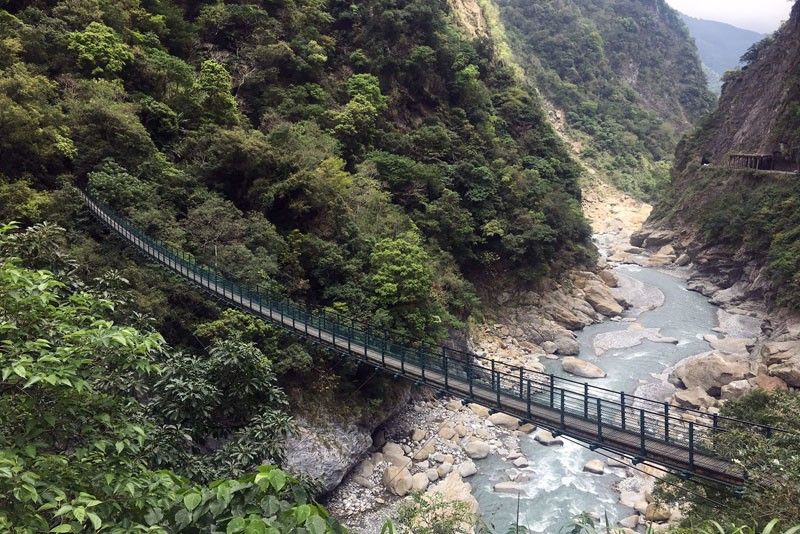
759	15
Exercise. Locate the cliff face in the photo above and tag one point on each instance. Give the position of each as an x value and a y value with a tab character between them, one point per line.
741	227
757	102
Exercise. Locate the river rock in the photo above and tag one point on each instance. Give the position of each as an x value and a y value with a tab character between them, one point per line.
769	383
609	278
509	487
527	428
549	347
477	409
444	469
417	434
419	482
544	437
447	432
658	513
601	299
453	488
398	480
432	474
424	452
567	346
476	449
467	469
735	390
325	452
710	371
596	467
504	420
632	521
582	368
695	398
783	360
393	448
520	462
363	482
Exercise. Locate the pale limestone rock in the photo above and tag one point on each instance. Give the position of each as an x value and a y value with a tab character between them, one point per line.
695	398
632	521
444	469
447	432
527	428
658	513
417	434
582	368
477	409
397	480
476	449
453	488
432	474
736	390
544	437
520	462
769	383
467	469
710	371
601	299
419	482
509	487
596	467
504	420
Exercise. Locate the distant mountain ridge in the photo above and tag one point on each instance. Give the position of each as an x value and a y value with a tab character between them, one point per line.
720	46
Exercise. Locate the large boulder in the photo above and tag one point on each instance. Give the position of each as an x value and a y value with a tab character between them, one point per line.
515	488
567	345
326	452
783	360
476	449
695	398
657	513
547	439
710	371
657	239
736	390
419	482
504	420
596	467
769	383
453	488
601	299
582	368
398	480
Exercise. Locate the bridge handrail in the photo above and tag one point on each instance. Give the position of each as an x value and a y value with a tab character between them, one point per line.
667	417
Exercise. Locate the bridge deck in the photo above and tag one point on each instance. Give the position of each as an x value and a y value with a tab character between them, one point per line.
601	432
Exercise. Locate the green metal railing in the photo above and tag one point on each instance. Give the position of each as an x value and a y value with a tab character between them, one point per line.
650	423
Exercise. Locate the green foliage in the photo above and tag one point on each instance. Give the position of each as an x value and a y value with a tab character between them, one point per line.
624	73
772	462
402	285
77	441
99	49
213	93
431	514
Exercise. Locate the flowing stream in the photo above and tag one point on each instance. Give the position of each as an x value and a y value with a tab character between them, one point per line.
557	489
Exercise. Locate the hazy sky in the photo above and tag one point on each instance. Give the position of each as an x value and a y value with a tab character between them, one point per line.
759	15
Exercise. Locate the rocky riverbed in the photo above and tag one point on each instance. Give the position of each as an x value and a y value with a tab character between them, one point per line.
716	354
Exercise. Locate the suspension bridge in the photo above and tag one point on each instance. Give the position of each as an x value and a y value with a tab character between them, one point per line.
644	430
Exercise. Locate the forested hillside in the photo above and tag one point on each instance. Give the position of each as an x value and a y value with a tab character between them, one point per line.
746	220
623	74
720	46
373	158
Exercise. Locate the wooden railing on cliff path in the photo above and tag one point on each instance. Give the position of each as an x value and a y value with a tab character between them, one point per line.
645	430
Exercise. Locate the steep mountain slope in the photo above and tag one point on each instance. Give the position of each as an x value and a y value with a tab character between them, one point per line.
720	46
624	75
743	225
375	158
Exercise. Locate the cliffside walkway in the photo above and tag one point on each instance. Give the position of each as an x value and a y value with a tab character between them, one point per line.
644	430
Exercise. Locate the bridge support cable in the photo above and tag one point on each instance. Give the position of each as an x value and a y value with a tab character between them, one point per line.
676	438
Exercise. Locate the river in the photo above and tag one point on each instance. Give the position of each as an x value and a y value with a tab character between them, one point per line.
557	489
